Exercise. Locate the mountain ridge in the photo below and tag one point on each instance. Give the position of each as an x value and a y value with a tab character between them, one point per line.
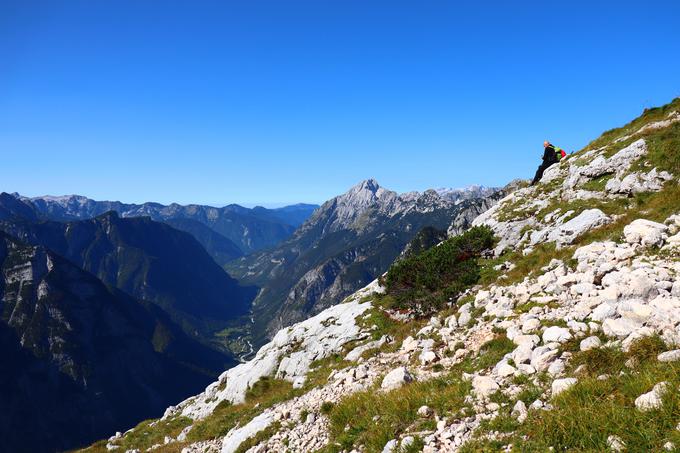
250	229
345	244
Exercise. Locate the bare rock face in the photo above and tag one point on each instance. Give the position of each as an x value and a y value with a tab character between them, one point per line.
288	356
566	233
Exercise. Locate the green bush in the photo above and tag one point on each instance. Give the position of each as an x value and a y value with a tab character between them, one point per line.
424	282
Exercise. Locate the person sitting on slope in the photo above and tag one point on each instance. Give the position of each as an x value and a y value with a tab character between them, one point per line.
551	155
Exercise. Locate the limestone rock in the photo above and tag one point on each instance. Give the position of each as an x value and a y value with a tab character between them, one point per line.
669	356
590	343
396	378
560	385
566	233
556	334
620	328
645	232
484	386
652	399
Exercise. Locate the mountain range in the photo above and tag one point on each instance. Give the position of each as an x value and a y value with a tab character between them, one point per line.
347	242
101	296
248	229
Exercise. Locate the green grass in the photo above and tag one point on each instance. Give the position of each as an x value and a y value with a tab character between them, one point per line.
144	435
492	352
372	418
265	393
648	116
585	415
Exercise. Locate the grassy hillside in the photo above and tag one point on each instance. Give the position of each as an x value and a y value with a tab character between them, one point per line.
471	338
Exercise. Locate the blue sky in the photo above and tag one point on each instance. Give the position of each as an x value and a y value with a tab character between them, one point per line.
295	101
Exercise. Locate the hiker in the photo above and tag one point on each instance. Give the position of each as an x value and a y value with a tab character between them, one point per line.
551	155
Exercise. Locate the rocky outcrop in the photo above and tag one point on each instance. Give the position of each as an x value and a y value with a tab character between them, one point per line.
528	217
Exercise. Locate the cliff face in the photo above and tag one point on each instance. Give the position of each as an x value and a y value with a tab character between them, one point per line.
567	341
81	359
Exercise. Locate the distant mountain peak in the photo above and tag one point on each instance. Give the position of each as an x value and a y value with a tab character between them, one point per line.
369	184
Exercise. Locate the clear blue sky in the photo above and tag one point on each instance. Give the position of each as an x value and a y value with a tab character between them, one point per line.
291	101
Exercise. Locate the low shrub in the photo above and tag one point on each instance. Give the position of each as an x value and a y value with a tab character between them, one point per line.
426	281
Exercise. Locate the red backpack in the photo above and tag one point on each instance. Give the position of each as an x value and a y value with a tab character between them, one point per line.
560	152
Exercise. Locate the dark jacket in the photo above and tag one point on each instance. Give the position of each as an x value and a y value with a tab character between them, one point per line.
549	155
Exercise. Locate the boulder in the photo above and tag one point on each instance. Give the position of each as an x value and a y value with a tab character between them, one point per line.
590	343
615	444
646	233
532	340
603	311
484	386
464	318
587	220
669	356
531	325
542	356
652	399
620	328
427	357
560	385
519	411
556	334
556	368
523	353
396	378
390	446
503	369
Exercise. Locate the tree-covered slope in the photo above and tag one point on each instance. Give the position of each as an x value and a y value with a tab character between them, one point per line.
148	260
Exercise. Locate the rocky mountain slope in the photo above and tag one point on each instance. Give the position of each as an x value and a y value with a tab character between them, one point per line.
150	261
567	342
81	359
249	229
344	245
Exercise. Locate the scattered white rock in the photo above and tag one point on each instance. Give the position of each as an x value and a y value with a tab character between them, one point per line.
568	232
519	411
556	334
645	232
484	386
